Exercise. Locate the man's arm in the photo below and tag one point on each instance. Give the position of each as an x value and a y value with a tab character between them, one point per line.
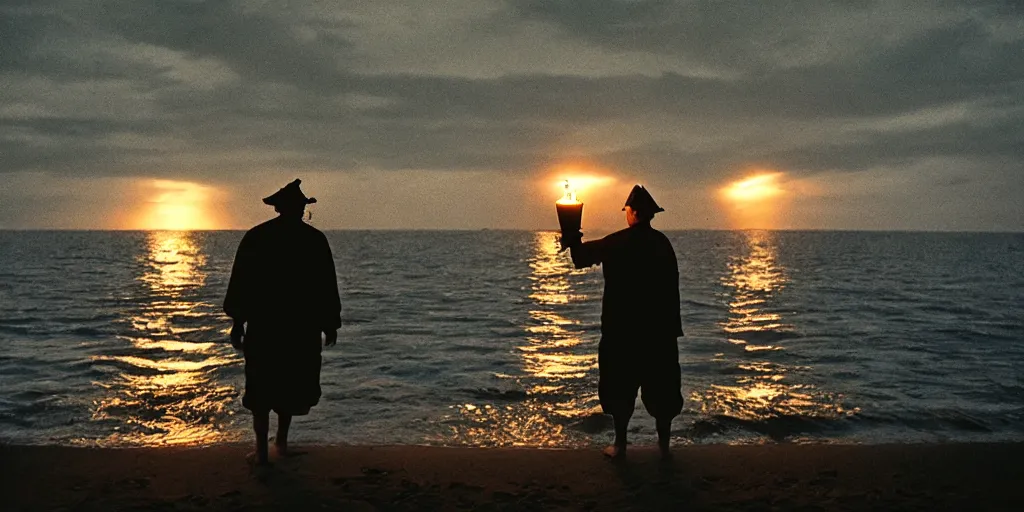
672	299
331	301
586	254
237	333
236	298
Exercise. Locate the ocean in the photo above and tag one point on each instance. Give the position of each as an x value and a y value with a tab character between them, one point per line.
489	338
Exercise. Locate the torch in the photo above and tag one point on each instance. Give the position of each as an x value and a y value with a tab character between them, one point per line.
570	216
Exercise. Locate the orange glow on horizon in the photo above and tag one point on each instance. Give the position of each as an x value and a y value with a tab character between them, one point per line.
754	202
597	187
177	206
581	183
754	188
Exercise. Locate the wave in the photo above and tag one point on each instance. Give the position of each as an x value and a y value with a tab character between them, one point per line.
432	321
495	394
776	428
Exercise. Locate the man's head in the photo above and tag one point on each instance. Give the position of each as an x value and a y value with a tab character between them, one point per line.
289	201
640	206
634	217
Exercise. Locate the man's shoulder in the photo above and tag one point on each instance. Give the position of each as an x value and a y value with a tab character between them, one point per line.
661	236
260	228
663	241
623	238
619	236
310	235
313	232
279	224
647	236
638	231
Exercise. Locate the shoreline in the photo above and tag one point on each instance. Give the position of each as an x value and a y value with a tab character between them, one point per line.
970	476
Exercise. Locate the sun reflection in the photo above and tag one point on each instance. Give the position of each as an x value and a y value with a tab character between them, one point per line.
763	389
754	279
174	260
165	390
550	335
556	361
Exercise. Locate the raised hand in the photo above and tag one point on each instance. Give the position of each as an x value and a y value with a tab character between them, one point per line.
570	240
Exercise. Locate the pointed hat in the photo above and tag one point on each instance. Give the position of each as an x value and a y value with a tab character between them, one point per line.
640	200
289	194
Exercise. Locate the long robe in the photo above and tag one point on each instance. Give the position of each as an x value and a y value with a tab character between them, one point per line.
284	287
640	320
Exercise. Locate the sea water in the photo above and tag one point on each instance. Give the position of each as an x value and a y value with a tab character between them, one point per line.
489	338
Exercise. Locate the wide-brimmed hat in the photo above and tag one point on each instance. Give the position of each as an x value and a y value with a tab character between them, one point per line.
289	194
640	200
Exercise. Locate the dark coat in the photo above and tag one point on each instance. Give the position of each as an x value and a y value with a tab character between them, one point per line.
284	287
641	282
639	320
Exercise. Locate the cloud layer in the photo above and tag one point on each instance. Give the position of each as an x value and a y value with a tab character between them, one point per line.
925	96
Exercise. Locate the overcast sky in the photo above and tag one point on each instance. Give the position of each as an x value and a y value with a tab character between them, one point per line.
465	113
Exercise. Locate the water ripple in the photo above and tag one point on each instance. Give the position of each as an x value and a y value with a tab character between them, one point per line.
489	338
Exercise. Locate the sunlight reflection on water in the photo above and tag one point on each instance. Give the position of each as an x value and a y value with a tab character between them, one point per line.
753	279
556	363
763	390
119	338
166	391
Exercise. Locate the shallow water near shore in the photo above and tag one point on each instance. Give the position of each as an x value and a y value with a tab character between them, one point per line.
490	339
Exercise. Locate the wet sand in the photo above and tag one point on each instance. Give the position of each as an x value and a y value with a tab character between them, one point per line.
773	477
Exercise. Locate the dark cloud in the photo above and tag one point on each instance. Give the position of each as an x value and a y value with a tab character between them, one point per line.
162	87
256	46
949	59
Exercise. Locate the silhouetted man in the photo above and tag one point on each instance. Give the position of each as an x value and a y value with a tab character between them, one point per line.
282	295
639	319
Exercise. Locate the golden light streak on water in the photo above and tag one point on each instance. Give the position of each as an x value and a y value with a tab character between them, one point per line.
166	394
752	280
553	364
763	389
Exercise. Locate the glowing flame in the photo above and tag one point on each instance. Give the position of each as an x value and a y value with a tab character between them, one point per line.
570	195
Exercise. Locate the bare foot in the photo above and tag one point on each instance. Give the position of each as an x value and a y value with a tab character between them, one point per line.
281	449
615	452
666	453
664	448
254	459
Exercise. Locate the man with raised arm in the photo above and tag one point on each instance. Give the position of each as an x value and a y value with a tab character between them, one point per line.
639	320
283	294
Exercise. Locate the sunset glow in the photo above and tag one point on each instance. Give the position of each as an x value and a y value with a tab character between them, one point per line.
754	188
177	206
580	184
755	202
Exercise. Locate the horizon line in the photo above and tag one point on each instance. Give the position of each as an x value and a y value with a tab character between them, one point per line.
530	230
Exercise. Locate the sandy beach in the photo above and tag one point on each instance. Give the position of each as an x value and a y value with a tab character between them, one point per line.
772	477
